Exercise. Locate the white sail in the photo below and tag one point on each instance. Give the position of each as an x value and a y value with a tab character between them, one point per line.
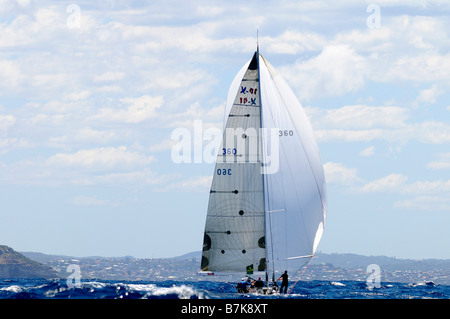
284	209
296	192
234	231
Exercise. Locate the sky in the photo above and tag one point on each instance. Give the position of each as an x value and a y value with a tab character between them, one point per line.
91	92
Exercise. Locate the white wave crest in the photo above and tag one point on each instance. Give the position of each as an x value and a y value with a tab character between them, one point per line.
13	288
337	283
182	292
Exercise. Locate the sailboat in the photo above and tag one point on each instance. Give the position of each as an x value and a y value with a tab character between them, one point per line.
267	202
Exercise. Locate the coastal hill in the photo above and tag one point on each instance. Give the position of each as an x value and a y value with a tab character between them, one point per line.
331	267
15	265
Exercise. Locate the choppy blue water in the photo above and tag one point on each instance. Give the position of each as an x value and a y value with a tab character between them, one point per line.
95	289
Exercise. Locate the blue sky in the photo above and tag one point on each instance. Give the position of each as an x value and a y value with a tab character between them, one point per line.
90	93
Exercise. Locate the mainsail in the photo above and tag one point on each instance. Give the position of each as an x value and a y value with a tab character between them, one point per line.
267	203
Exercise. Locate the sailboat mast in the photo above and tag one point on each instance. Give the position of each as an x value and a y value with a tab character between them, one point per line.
257	43
262	153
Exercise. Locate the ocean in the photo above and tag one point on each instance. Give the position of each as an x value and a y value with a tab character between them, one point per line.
212	299
98	289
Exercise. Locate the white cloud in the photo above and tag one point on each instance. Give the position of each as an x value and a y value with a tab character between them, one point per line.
337	70
367	40
6	121
353	123
443	162
109	76
390	183
398	184
425	195
432	132
164	145
429	96
24	3
48	17
77	96
179	80
83	200
421	31
209	11
197	184
139	177
11	76
292	42
101	159
368	151
89	135
441	187
137	110
405	48
104	166
195	38
9	144
425	67
337	173
119	71
425	203
359	117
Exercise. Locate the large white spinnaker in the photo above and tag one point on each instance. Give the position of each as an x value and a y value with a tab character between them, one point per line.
268	222
295	194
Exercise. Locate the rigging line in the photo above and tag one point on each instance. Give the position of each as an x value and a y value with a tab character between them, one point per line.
261	144
257	39
268	232
305	267
268	185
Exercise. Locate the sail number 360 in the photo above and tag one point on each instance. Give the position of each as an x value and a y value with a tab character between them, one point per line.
229	151
224	171
286	133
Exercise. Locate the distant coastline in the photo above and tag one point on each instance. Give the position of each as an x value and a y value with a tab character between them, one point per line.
16	265
331	267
